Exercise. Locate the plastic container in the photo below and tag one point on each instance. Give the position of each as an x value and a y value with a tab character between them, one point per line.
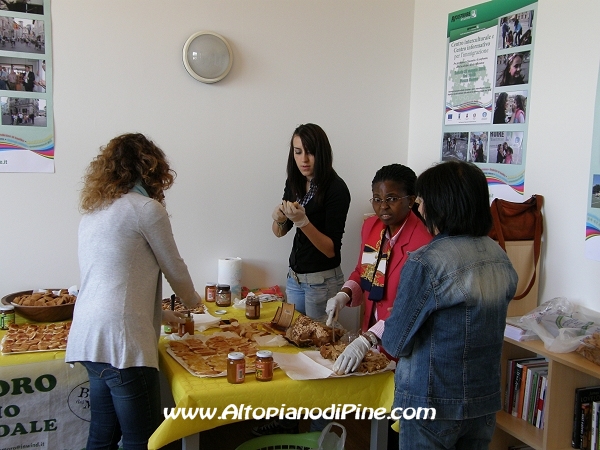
302	441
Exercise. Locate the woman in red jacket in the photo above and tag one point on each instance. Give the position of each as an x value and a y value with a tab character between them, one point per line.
387	237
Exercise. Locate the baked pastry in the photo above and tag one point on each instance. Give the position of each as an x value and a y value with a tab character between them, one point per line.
209	357
47	298
306	332
590	348
31	337
180	307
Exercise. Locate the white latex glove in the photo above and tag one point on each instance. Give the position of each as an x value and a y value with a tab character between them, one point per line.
169	316
334	305
352	356
278	215
295	213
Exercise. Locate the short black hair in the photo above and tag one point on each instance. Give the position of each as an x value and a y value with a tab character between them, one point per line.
397	173
456	199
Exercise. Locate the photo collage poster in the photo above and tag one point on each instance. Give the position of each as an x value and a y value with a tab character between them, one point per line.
592	224
27	126
488	80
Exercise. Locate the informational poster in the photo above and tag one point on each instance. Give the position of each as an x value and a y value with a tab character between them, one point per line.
592	224
27	126
488	79
44	405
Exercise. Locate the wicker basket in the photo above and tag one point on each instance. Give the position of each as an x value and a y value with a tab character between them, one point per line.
302	441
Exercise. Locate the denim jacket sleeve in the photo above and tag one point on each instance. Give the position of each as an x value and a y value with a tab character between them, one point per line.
414	303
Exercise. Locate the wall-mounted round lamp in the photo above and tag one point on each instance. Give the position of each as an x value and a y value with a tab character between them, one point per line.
207	56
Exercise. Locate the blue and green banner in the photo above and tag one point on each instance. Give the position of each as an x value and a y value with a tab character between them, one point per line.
487	95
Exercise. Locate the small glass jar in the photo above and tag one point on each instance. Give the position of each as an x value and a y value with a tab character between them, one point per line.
188	326
210	292
264	365
236	368
252	307
223	297
7	316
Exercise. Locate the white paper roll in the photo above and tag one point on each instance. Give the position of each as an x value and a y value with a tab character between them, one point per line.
230	272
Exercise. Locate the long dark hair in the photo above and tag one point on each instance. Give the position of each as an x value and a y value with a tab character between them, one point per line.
500	111
505	78
316	143
456	199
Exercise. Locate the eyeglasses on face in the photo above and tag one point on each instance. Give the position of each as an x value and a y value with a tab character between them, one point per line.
390	201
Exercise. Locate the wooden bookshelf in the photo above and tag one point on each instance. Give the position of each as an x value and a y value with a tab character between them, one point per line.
566	372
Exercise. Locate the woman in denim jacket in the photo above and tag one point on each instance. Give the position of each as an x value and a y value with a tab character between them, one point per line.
447	324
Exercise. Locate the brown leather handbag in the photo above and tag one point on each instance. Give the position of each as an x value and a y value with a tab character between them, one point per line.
519	222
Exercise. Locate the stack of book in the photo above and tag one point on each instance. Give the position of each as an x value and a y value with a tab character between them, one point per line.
526	380
515	330
586	416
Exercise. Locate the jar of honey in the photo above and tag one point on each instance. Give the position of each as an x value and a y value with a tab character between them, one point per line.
264	365
223	297
252	307
188	326
236	368
210	292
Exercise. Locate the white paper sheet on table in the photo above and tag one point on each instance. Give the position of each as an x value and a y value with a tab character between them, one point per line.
298	366
204	321
310	365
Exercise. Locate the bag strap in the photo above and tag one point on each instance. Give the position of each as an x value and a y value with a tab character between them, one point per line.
537	238
498	224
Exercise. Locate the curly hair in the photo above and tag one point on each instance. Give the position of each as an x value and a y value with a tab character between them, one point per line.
126	160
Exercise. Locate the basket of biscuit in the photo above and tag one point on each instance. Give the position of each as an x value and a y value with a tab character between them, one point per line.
46	305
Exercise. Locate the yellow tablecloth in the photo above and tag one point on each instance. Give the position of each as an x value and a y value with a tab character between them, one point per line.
371	391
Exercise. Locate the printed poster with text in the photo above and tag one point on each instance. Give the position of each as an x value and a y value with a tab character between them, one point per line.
592	224
488	79
27	125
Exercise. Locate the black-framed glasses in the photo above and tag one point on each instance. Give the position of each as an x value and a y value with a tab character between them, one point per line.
390	201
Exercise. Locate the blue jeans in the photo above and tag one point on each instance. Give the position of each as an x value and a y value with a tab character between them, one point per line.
309	292
441	434
123	402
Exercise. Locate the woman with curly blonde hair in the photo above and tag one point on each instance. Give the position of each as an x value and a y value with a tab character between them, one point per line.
125	161
125	245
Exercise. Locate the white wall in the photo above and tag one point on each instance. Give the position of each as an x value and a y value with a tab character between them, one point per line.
564	78
344	64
